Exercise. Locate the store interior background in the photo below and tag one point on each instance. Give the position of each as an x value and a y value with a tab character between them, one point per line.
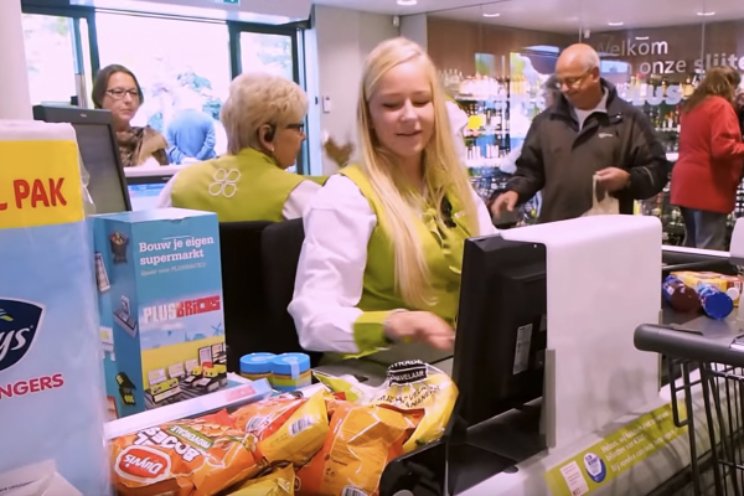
186	50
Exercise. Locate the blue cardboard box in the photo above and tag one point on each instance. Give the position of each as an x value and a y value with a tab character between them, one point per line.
160	298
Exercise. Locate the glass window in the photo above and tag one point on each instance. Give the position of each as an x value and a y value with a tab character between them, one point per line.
181	66
266	53
50	57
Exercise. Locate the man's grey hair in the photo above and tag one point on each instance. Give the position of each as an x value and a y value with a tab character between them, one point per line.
589	59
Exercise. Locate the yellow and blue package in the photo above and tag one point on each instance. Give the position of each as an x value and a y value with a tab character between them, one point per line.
48	315
290	371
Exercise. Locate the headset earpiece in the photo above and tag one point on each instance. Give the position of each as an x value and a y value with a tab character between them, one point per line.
269	134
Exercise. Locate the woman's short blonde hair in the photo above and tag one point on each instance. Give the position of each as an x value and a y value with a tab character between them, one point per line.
256	99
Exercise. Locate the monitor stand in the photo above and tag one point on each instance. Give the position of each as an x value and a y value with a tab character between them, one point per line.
467	456
496	445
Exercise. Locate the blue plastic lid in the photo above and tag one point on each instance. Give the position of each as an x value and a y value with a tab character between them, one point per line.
716	304
292	364
256	363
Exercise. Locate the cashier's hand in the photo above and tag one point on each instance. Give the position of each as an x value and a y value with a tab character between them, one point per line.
425	327
613	178
506	201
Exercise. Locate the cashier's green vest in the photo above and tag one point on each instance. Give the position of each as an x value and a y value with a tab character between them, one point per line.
242	187
443	251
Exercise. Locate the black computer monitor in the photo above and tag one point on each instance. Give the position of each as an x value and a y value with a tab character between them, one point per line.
99	152
501	328
499	362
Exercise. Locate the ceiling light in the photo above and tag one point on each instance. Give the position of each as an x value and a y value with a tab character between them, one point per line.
407	3
641	38
707	13
615	24
492	14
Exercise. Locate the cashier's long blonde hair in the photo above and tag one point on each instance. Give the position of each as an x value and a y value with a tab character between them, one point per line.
443	171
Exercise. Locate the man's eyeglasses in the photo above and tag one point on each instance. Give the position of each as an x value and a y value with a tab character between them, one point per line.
571	81
300	126
119	93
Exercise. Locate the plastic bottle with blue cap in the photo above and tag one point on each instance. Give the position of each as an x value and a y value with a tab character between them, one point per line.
716	304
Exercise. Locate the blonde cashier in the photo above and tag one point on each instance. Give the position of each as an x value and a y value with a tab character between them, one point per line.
384	238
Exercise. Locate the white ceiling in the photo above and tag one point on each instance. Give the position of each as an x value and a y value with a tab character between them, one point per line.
561	15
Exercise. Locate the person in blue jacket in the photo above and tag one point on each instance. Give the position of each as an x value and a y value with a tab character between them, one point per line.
191	137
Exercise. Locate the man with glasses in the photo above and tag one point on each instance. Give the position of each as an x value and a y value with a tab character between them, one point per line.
588	142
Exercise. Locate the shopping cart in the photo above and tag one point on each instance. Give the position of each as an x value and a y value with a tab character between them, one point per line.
708	359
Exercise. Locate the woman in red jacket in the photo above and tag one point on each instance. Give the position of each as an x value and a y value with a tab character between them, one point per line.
709	168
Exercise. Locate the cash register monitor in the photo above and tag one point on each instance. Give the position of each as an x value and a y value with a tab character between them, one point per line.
501	329
145	184
99	152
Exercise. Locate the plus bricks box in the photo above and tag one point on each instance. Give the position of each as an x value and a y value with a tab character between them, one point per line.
160	298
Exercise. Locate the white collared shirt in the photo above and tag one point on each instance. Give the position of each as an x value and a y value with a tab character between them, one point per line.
330	273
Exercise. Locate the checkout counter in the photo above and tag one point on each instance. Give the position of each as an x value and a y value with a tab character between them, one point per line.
656	452
626	440
604	423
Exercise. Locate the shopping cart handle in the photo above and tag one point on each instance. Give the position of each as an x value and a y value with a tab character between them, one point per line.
722	346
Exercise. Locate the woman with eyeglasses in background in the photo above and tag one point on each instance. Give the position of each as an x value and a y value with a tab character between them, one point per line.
263	118
117	89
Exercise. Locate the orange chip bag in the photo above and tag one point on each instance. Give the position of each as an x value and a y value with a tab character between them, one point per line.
192	457
361	441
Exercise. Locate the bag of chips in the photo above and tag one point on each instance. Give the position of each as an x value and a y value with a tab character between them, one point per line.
422	392
361	441
192	457
278	481
300	437
425	393
287	427
263	418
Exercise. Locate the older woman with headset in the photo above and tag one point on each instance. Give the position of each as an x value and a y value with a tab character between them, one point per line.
264	121
384	238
